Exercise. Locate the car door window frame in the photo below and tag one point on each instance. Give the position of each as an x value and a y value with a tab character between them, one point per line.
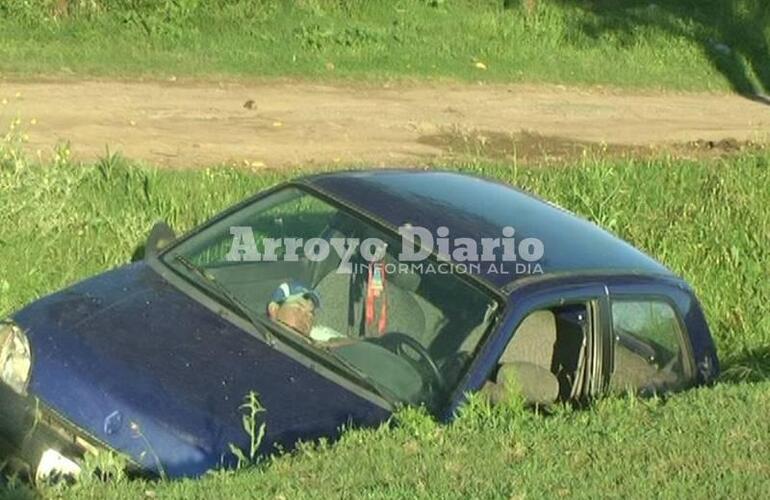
523	301
683	337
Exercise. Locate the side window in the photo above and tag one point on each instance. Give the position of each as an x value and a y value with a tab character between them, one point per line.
546	359
648	352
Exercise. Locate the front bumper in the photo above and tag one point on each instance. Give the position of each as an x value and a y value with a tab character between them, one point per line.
31	432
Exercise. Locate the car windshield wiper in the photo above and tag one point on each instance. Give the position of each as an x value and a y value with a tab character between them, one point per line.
221	291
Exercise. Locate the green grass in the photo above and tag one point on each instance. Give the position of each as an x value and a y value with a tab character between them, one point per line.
708	221
707	443
675	45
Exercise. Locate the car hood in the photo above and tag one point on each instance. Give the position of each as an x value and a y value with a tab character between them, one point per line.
143	367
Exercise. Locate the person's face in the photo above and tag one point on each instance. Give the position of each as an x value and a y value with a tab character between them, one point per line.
297	314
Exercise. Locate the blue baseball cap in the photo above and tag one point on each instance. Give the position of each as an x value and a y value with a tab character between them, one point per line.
293	290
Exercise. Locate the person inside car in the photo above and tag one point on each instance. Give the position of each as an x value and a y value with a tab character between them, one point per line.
294	305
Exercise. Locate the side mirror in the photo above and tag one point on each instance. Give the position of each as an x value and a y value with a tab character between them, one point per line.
161	235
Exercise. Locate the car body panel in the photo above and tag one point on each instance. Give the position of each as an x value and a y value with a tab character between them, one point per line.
129	345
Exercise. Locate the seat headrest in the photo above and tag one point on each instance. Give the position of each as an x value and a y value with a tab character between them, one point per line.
344	226
407	280
533	341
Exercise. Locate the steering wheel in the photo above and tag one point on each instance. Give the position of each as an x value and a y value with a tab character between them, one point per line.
400	343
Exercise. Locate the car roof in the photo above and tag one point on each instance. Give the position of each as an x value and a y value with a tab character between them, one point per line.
475	207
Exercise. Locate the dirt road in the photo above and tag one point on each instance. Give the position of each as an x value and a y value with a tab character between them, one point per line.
184	124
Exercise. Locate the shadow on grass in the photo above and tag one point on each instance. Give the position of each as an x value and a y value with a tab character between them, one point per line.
17	493
749	366
733	34
14	488
138	253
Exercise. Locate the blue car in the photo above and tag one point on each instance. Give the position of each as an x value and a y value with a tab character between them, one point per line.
328	302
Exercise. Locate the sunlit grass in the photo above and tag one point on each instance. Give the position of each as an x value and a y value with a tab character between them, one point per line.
708	221
625	43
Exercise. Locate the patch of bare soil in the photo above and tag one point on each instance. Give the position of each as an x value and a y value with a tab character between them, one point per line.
278	124
530	146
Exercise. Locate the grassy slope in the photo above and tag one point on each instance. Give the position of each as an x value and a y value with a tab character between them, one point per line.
709	222
671	45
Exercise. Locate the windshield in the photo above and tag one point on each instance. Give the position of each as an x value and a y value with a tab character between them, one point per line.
319	275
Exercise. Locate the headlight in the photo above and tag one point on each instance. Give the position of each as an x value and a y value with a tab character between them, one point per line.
15	358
